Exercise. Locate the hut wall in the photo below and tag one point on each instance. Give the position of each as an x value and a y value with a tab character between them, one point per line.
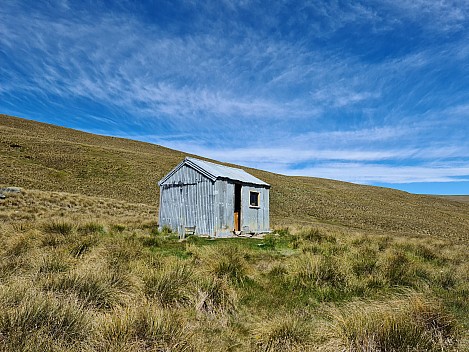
187	199
224	207
254	219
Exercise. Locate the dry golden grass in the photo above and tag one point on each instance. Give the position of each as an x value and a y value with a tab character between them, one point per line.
464	199
51	207
99	283
411	323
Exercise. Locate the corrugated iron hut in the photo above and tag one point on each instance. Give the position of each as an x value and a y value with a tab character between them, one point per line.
210	199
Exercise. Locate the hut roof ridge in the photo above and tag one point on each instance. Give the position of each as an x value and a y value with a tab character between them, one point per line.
217	171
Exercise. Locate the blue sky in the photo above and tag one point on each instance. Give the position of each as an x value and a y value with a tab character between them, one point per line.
373	92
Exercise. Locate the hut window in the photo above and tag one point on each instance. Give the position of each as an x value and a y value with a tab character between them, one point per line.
254	199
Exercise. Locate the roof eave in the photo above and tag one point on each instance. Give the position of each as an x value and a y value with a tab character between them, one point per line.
266	185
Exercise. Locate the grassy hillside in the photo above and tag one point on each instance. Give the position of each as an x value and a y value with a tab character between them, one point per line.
464	199
50	158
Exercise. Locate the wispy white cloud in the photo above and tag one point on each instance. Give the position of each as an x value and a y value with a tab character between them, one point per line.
281	91
373	173
338	96
444	15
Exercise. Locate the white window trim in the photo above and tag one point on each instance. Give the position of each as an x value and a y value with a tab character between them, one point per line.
258	199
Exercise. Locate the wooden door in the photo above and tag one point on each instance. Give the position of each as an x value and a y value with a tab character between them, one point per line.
237	207
236	220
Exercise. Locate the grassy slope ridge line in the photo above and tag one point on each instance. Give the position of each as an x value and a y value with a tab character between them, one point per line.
45	157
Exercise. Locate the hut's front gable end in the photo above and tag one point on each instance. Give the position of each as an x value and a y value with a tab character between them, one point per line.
186	201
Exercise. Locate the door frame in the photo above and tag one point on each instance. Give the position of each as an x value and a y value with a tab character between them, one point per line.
237	206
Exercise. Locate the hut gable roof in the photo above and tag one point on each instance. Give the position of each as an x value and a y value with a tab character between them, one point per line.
215	171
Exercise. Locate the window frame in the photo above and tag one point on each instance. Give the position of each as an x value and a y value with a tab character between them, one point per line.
258	199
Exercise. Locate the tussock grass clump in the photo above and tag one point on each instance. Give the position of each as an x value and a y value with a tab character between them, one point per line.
146	328
425	252
121	252
363	261
311	270
18	245
134	288
216	296
59	228
316	235
395	267
91	228
83	245
222	261
118	227
408	324
282	334
32	317
172	284
270	241
54	262
99	289
152	241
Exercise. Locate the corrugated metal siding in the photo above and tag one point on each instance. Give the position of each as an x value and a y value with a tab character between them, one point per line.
225	206
187	199
254	219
